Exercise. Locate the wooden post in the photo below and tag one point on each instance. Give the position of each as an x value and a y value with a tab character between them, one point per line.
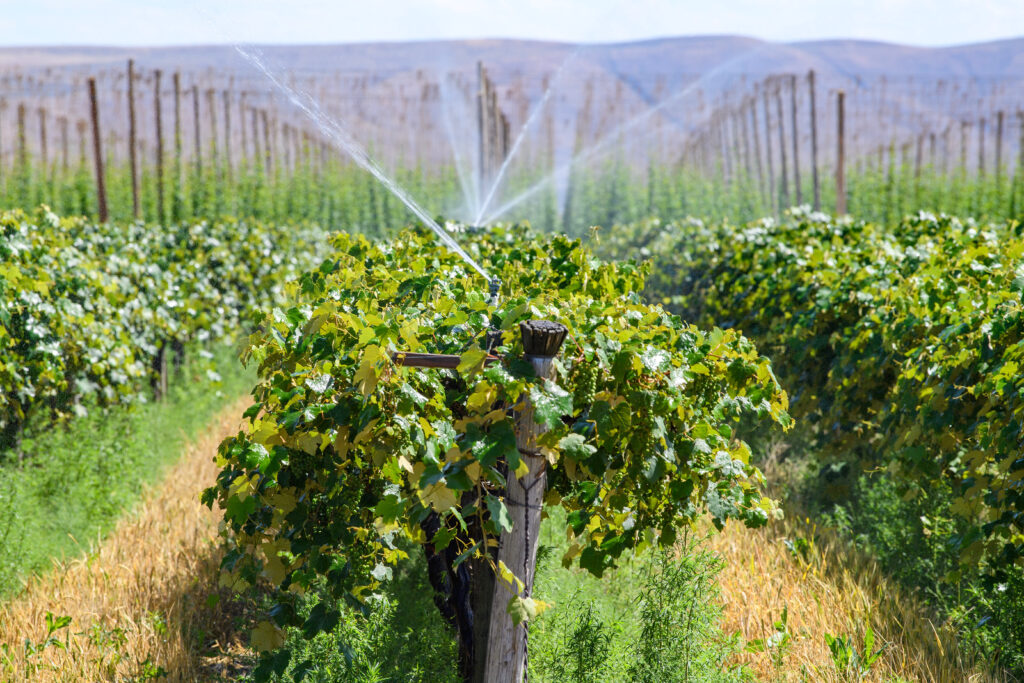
1000	121
226	96
97	148
63	123
741	121
198	134
255	134
268	160
178	167
783	172
796	140
244	157
507	643
963	148
82	127
211	106
484	125
22	156
918	161
160	216
945	149
752	103
133	161
44	153
768	148
840	154
981	147
814	143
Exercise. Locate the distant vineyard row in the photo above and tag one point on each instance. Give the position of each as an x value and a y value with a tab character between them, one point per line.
91	314
901	346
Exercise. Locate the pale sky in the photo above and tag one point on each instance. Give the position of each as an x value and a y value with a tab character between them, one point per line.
175	22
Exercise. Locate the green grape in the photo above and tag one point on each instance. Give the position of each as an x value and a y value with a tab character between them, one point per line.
584	383
301	461
705	391
643	440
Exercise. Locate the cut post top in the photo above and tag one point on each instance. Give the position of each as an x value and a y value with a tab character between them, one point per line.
542	337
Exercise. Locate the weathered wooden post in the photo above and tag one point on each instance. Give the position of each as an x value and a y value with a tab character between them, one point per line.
97	148
506	649
197	137
783	170
268	159
1000	123
179	179
244	156
82	127
228	159
484	126
211	110
22	155
133	161
773	198
752	103
44	152
840	154
795	139
160	216
981	148
62	122
814	143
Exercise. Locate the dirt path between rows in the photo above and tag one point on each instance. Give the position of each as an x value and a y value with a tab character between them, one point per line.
145	603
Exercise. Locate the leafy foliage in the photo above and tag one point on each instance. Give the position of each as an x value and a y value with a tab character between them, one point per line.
88	312
347	452
902	344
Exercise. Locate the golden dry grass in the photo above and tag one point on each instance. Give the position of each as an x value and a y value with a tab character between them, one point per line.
830	589
140	598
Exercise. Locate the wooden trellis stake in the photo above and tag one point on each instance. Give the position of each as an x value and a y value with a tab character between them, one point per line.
198	138
500	645
133	160
97	148
493	129
840	153
814	143
795	140
768	149
178	168
507	642
44	153
160	215
783	170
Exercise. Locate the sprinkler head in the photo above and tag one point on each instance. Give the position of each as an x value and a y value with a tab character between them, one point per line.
495	288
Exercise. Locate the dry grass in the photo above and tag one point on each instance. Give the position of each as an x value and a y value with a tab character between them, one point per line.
142	600
828	589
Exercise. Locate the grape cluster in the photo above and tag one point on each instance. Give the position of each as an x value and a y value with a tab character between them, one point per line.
584	383
643	423
302	462
705	390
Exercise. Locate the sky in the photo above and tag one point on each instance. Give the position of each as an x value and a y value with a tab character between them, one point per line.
178	22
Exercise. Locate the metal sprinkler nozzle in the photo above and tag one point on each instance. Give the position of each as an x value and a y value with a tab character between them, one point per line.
495	288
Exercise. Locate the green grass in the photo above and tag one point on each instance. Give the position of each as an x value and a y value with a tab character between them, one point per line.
75	480
655	618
